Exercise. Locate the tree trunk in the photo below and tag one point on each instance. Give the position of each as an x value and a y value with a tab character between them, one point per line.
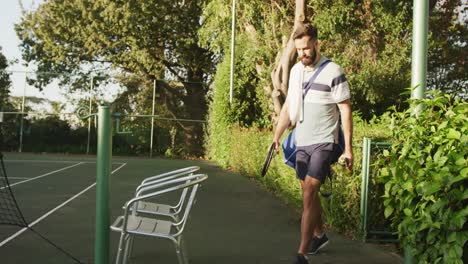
286	58
196	107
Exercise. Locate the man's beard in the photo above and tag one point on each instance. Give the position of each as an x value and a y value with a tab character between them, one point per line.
307	61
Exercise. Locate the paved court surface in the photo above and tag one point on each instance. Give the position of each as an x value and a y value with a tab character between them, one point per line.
234	220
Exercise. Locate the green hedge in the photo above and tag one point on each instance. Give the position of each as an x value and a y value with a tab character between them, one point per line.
424	174
426	178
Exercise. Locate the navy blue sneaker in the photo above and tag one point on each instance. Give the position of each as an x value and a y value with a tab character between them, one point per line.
301	259
317	244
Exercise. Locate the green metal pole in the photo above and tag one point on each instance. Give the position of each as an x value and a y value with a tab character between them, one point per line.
408	258
418	66
233	48
364	185
22	115
103	164
152	119
419	57
89	113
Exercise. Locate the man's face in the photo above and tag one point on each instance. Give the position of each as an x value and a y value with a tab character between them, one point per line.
306	50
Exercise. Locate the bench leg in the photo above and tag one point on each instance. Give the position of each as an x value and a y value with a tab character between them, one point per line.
128	248
180	250
120	249
130	252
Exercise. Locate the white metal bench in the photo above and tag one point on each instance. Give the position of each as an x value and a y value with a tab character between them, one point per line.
172	211
131	224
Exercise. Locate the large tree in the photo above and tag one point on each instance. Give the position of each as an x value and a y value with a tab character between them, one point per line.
144	38
448	39
371	40
5	81
9	124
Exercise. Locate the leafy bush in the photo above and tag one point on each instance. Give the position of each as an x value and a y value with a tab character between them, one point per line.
47	134
342	211
426	178
244	111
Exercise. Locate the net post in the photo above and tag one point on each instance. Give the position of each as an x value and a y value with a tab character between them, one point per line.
103	164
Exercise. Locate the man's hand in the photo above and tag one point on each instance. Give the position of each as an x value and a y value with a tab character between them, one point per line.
347	123
277	145
347	160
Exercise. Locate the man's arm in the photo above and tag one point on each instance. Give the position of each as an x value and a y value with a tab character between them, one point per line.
283	123
347	122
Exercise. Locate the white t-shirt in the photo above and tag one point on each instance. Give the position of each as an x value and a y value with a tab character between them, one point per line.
321	114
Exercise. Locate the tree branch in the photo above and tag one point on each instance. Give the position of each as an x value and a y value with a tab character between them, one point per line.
280	75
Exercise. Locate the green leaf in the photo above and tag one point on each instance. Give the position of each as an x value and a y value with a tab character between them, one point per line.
407	212
452	237
423	226
464	172
431	237
459	218
452	253
384	172
438	154
461	162
442	161
459	250
465	195
436	225
453	134
443	125
431	188
450	113
386	153
457	179
438	205
388	211
408	186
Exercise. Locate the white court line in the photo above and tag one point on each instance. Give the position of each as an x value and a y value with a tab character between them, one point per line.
57	161
53	210
42	161
41	176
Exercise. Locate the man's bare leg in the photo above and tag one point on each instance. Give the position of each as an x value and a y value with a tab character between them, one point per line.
311	215
318	231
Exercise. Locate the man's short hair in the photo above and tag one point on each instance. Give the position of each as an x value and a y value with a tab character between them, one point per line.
305	30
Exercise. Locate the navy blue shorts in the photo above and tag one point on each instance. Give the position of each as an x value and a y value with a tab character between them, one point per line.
315	160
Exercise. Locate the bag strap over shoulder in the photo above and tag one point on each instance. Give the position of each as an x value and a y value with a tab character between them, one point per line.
312	80
308	85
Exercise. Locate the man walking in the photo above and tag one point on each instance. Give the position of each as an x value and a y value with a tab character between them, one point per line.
315	113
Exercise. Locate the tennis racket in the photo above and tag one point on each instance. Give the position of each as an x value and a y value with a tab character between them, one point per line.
269	157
